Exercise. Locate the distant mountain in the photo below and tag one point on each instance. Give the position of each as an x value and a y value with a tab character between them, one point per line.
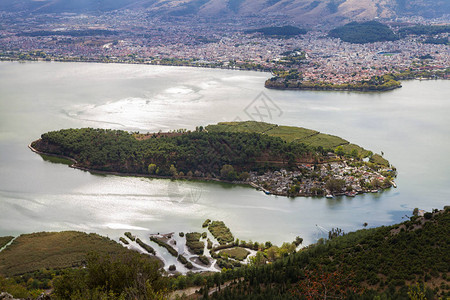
299	11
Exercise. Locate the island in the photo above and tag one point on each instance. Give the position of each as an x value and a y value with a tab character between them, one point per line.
295	82
280	160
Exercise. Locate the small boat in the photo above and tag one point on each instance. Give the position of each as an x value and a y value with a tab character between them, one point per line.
267	192
374	191
329	196
350	194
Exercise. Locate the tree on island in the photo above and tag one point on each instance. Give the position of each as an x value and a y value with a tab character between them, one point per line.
335	185
152	169
339	151
227	172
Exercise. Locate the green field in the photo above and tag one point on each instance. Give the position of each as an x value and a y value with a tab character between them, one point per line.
289	134
236	253
36	251
326	141
248	126
348	148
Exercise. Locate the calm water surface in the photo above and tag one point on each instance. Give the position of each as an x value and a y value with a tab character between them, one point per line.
410	125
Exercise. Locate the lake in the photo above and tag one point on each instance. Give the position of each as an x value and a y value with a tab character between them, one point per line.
410	125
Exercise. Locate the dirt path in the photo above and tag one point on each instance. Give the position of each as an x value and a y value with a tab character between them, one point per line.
188	292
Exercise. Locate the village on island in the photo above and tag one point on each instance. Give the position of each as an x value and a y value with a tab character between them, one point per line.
332	179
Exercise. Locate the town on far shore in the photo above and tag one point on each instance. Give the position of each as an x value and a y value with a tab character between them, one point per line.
299	57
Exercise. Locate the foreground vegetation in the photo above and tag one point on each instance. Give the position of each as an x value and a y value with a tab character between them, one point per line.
383	262
404	261
42	261
4	240
51	250
127	276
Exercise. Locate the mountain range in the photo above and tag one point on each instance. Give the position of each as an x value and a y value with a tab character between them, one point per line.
296	11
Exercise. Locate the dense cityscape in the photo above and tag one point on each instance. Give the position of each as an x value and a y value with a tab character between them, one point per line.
133	37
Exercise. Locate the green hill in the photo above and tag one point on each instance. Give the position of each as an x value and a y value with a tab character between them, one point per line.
53	250
283	31
289	134
361	33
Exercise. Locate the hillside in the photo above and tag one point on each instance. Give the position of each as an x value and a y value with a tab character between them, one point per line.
299	11
379	263
289	134
36	251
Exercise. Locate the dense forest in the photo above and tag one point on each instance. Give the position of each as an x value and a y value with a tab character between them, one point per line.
284	31
199	153
361	33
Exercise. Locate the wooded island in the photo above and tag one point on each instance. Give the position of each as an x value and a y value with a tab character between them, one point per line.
282	160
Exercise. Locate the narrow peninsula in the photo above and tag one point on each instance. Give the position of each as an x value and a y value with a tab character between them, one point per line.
280	160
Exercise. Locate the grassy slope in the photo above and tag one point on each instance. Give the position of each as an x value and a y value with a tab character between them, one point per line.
5	240
289	134
31	252
249	126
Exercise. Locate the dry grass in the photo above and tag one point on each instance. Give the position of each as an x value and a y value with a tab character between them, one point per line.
5	240
31	252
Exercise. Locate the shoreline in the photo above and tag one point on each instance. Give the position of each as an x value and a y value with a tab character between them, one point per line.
226	68
217	180
132	63
74	166
331	89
